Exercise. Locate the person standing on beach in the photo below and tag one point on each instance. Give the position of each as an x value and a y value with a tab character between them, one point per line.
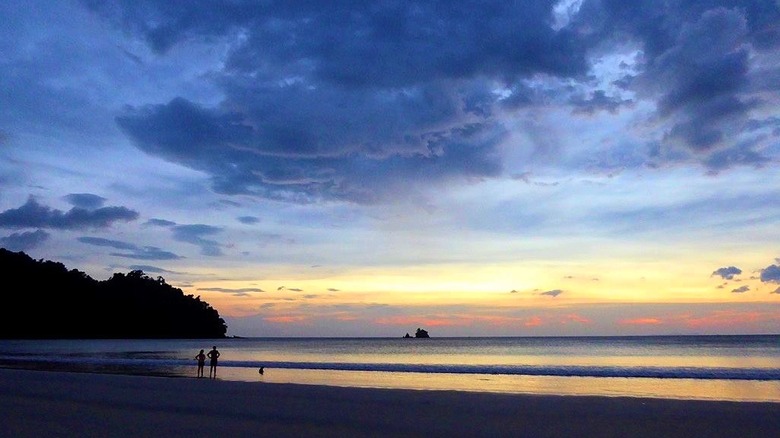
201	357
213	355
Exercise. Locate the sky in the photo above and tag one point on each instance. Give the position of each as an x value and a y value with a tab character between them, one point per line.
352	168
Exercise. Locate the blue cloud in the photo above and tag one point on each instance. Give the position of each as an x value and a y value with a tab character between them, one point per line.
135	252
34	215
25	240
727	273
85	200
771	274
249	220
194	234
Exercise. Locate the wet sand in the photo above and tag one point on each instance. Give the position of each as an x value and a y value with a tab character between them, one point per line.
66	404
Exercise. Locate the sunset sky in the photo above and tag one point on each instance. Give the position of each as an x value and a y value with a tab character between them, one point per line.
353	168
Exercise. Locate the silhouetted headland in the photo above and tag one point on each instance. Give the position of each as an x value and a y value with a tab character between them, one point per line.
45	300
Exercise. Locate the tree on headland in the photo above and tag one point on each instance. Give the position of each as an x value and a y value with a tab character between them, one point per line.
49	301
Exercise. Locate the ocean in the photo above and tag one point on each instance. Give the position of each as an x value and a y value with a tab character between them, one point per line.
740	368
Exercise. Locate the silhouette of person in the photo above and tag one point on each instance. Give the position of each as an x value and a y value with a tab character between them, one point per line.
213	355
201	362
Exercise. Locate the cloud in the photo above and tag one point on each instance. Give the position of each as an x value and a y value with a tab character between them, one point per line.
696	64
740	290
552	293
24	241
302	121
86	201
300	164
436	39
151	269
771	274
136	252
160	223
34	215
418	95
598	101
249	220
727	273
241	292
99	241
776	291
194	234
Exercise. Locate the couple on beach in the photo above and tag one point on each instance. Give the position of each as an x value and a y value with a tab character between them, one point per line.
201	357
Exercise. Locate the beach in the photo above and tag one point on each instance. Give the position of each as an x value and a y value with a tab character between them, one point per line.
70	404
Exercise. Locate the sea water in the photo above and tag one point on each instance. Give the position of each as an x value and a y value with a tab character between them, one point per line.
742	368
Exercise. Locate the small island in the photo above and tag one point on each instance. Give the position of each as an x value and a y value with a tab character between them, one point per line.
420	333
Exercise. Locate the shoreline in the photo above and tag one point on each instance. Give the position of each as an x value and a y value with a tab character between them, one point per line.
757	391
55	403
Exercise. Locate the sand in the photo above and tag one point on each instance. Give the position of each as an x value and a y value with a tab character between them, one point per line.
64	404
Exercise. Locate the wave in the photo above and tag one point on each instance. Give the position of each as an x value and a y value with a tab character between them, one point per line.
701	373
533	370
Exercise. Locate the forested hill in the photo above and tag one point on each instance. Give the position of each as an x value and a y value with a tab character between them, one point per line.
44	300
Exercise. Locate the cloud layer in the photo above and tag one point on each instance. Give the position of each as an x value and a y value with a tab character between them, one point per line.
358	101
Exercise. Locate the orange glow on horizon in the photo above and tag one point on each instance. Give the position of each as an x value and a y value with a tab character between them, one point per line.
641	321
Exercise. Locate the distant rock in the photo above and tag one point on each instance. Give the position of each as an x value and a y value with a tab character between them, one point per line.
421	333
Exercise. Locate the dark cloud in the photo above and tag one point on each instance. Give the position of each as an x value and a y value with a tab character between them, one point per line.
695	62
740	290
160	223
34	215
148	253
151	269
552	293
739	154
776	291
771	274
99	241
727	273
86	201
336	100
136	252
398	43
24	241
359	101
330	289
294	289
350	159
249	220
598	101
194	234
241	292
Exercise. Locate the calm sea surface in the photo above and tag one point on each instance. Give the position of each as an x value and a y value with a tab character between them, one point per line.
743	368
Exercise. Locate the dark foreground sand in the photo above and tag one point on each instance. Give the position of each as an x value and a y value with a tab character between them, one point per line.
46	404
